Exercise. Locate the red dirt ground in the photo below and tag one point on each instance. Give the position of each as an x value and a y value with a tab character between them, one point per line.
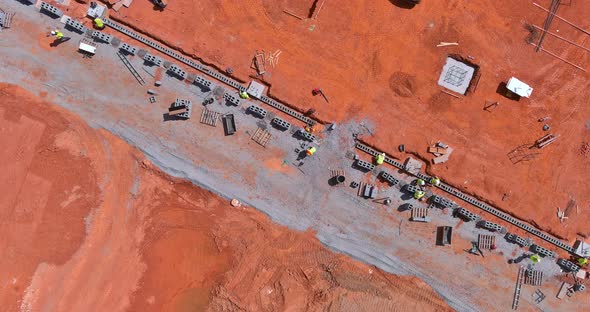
87	222
379	63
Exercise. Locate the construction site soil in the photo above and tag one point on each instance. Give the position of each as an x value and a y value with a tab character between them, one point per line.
378	63
87	222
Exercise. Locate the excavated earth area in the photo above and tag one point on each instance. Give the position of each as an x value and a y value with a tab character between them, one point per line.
378	61
86	221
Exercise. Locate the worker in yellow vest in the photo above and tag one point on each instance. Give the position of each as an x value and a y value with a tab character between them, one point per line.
535	259
380	158
59	38
419	194
310	151
58	34
244	95
435	181
420	182
582	261
99	23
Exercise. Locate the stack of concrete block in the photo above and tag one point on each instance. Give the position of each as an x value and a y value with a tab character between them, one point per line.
128	48
97	35
391	180
466	214
231	99
306	135
411	188
568	265
48	8
492	226
543	251
176	70
257	111
282	124
206	84
181	108
363	165
442	202
75	25
518	240
153	59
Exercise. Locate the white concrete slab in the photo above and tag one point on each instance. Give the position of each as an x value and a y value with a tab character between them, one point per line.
456	76
255	89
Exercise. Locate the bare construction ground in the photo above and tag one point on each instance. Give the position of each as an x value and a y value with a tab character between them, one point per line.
378	60
103	92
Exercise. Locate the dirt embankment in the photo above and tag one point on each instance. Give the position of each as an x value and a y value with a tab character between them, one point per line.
86	221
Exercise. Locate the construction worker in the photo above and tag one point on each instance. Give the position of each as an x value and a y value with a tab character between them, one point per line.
58	34
582	261
310	151
435	181
380	158
419	194
59	38
244	95
420	183
99	23
535	259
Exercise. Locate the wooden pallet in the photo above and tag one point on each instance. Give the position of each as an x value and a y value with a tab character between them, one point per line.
261	136
337	172
533	277
259	63
209	117
359	191
420	214
7	19
485	241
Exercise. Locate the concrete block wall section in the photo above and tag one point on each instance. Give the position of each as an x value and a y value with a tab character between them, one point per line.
568	265
206	70
75	25
171	53
363	165
482	206
257	111
281	123
128	48
287	110
48	8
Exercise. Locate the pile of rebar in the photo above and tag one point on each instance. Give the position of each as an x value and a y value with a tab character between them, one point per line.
552	11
